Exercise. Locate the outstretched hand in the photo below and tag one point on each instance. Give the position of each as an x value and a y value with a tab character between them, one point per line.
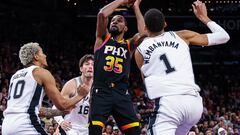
200	11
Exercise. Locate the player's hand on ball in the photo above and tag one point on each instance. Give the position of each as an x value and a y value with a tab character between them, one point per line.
128	2
131	2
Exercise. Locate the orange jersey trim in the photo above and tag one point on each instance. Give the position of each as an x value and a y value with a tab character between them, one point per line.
130	125
129	45
98	123
105	41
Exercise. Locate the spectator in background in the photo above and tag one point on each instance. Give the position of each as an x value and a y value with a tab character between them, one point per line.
115	130
108	130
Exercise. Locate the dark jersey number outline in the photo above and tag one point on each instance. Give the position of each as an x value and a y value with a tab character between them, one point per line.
18	90
84	109
167	64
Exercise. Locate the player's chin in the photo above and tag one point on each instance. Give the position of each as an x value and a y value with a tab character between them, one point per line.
114	29
89	75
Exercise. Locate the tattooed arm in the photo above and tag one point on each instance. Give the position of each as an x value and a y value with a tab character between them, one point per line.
68	91
49	112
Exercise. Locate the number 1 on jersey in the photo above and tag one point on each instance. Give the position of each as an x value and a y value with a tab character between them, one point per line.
167	64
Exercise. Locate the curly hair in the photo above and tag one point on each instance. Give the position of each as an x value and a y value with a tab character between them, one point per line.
27	52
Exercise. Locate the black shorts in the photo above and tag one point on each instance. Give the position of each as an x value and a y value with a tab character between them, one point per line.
107	101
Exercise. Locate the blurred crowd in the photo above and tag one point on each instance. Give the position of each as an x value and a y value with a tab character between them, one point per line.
219	84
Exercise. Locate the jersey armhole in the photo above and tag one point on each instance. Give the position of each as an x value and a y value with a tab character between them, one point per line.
129	45
104	42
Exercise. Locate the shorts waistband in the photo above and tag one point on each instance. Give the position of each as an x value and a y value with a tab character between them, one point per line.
118	85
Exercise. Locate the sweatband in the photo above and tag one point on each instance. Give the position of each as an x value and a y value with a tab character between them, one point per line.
218	35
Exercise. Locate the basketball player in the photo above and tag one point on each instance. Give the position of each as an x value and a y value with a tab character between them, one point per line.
76	122
165	62
26	91
111	70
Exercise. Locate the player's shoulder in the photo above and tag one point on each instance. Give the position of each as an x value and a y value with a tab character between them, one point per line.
71	82
184	33
40	71
42	75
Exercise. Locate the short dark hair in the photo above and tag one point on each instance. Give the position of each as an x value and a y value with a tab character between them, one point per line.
124	19
85	58
154	20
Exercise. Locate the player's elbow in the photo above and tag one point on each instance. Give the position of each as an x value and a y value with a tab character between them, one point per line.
102	14
226	38
218	38
62	106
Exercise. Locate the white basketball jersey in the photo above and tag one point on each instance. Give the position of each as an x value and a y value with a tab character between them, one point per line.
24	101
167	66
79	115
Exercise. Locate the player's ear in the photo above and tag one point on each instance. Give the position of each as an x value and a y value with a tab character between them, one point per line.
80	69
145	28
165	25
125	29
36	57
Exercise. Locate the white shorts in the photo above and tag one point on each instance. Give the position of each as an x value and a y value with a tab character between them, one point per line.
176	114
22	124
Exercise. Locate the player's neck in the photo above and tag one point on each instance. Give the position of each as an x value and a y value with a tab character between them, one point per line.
37	63
154	34
33	64
118	37
87	80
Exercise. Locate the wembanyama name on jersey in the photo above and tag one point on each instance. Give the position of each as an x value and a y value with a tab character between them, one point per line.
155	45
167	65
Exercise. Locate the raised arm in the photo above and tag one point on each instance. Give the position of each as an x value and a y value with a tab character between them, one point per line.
218	35
134	41
102	20
139	17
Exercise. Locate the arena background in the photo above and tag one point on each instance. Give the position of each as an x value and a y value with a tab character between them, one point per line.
66	31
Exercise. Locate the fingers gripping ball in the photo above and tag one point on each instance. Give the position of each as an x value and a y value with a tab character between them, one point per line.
130	2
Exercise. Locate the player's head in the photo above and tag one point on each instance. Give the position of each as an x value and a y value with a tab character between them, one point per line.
118	25
31	53
154	20
86	64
